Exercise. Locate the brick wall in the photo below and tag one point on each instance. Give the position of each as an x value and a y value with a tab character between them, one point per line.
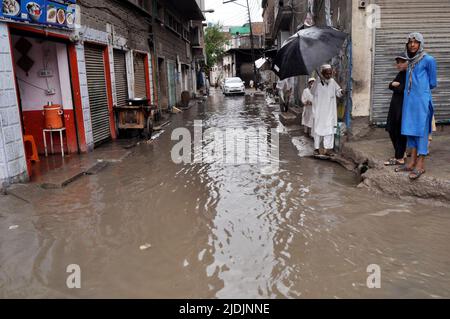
13	165
169	45
128	22
103	21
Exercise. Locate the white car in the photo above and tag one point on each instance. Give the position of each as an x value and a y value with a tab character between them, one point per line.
233	86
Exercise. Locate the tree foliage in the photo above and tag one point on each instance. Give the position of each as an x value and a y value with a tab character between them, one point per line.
215	40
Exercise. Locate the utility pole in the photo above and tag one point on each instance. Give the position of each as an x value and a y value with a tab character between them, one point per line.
154	60
251	37
252	46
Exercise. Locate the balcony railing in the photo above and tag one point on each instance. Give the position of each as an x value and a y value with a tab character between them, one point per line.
244	42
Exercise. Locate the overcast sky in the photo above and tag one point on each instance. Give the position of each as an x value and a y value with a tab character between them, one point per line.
231	14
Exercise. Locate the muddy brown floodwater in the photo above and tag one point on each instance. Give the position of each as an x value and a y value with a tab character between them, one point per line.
222	231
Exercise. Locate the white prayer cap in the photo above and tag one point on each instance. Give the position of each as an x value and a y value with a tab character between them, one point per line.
311	80
325	67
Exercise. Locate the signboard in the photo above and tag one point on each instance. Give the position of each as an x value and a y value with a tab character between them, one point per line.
59	13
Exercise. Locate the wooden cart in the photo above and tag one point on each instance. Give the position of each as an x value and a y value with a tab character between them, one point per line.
138	114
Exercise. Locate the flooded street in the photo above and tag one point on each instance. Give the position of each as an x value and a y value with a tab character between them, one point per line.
211	230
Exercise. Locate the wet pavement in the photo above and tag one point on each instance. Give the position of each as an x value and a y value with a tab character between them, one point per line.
146	227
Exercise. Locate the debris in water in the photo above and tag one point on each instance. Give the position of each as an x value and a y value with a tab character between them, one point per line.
176	110
155	136
145	246
304	146
388	211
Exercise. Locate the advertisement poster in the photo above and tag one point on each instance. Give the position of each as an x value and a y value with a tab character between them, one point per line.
58	13
61	15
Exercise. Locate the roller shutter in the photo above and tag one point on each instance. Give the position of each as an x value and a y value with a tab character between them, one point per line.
120	73
140	87
171	83
398	19
98	99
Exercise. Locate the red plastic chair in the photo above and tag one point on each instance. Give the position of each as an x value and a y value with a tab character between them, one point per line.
34	153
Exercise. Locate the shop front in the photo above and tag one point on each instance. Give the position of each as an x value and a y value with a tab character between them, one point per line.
121	79
99	90
44	76
140	75
47	64
44	79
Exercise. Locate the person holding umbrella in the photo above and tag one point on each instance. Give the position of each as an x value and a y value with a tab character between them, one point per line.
301	54
325	90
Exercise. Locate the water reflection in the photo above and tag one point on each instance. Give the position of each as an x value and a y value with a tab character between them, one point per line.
224	231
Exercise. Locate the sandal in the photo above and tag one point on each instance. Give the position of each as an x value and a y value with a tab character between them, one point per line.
403	168
416	173
391	162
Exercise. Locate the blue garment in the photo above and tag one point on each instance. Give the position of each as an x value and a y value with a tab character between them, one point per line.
420	143
418	103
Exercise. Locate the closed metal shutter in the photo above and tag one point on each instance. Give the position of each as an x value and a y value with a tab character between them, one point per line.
98	99
120	72
171	83
398	19
140	88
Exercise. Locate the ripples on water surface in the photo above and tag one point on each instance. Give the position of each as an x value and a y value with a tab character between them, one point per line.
224	231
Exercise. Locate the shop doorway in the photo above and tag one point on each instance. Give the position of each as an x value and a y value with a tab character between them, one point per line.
98	95
43	77
120	73
140	83
171	79
162	77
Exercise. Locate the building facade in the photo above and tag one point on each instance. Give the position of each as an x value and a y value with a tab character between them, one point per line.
284	18
380	33
238	60
95	56
377	32
179	47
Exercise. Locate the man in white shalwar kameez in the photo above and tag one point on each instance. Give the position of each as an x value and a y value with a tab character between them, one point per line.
325	90
307	100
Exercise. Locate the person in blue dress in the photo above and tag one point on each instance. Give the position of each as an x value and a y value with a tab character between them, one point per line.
418	110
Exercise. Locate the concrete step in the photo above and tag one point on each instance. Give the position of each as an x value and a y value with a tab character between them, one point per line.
29	193
297	111
288	118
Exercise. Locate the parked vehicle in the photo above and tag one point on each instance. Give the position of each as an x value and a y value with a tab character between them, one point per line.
233	86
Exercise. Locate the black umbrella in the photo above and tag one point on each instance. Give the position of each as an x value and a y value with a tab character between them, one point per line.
306	50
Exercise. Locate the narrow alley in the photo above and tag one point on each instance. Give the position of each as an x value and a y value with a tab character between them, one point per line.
146	227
